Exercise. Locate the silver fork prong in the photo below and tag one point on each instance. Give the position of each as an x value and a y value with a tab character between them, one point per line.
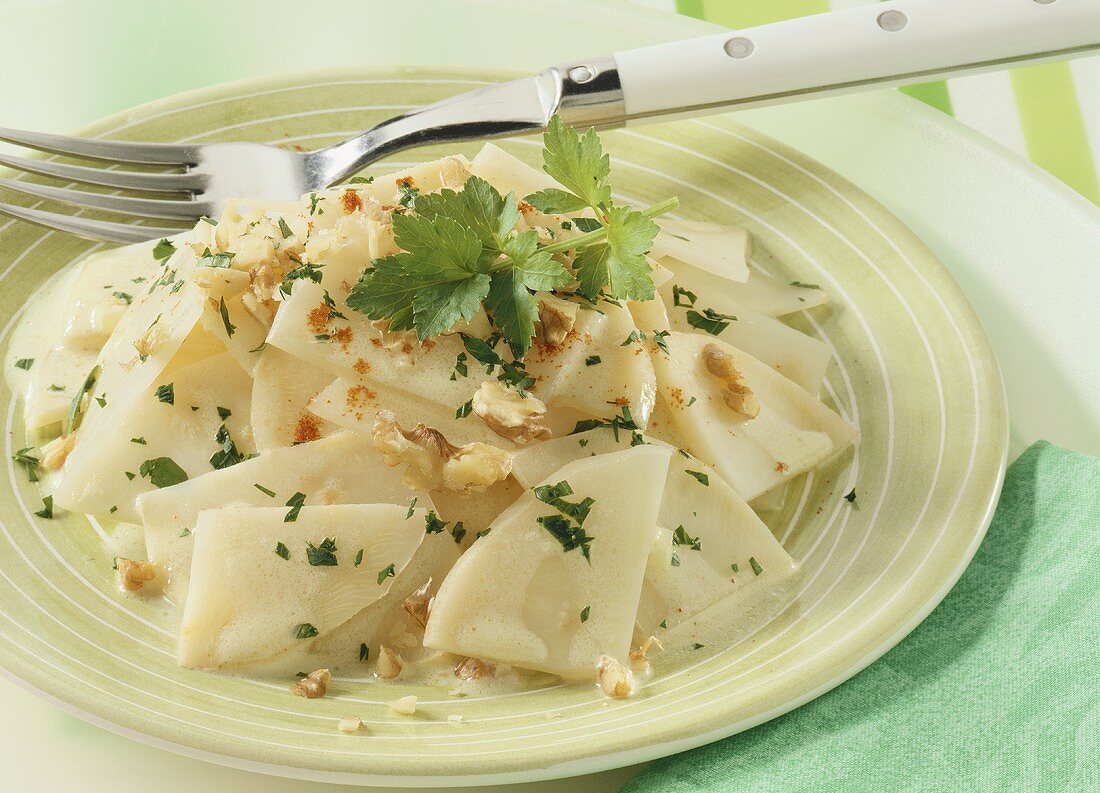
158	182
121	151
102	230
142	207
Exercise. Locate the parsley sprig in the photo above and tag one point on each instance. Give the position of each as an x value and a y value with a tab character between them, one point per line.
461	252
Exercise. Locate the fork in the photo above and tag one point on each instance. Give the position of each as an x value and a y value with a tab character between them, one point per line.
878	45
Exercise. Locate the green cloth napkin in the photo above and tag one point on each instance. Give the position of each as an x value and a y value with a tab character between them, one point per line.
998	690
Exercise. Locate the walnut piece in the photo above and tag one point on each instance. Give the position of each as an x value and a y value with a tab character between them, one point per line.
556	319
406	706
433	462
418	605
616	681
56	451
313	685
134	574
389	664
467	668
638	660
349	724
737	395
152	339
509	414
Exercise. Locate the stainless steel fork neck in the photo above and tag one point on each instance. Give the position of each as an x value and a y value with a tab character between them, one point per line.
584	93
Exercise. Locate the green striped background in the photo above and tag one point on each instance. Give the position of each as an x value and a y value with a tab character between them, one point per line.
1045	111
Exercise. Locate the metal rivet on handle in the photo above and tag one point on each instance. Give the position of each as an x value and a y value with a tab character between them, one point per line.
892	20
739	47
581	74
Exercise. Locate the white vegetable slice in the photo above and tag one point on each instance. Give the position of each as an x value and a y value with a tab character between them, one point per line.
729	532
247	603
517	596
722	251
476	511
227	320
509	174
570	375
342	649
103	474
760	292
281	392
341	469
357	350
354	405
793	354
792	433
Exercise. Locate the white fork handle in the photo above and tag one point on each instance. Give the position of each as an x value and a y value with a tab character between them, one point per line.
881	43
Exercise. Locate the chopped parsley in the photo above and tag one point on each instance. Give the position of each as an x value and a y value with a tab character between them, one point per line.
162	472
735	567
167	393
412	508
756	568
710	321
130	475
660	338
850	496
692	401
47	507
125	297
674	560
635	336
224	413
229	326
801	285
458	532
228	454
364	652
281	550
682	298
592	360
285	229
681	537
460	370
698	646
361	180
101	400
140	441
295	503
303	272
568	535
386	572
553	495
55	387
702	478
163	251
305	631
220	260
323	555
623	421
185	533
261	348
432	523
28	461
314	200
585	612
358	558
264	490
465	409
76	407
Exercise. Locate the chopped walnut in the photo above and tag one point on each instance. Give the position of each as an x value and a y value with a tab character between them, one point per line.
509	414
56	451
418	605
616	681
152	339
313	685
134	574
737	395
638	660
467	668
406	706
389	664
433	462
349	724
556	319
403	340
263	280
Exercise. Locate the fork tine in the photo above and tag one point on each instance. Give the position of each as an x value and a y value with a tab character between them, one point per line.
143	207
155	153
122	233
160	182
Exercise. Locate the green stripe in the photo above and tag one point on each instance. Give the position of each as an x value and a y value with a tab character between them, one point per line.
1054	131
740	14
690	8
934	94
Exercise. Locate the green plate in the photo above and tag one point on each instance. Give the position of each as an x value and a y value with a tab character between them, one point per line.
912	368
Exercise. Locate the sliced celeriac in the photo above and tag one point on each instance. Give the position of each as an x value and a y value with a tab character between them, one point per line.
154	442
722	251
341	469
523	596
793	431
760	292
336	560
509	174
281	392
